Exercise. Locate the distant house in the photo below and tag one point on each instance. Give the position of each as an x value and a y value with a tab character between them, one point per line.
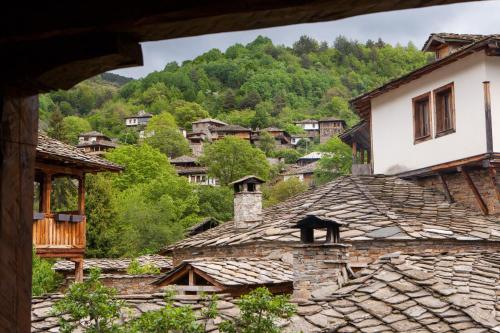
189	167
140	119
310	126
304	173
204	125
231	130
329	127
95	143
281	137
311	157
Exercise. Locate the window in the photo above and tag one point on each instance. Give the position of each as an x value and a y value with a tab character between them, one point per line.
421	118
445	110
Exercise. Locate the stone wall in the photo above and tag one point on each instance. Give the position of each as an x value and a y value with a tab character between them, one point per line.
318	269
124	284
462	193
360	252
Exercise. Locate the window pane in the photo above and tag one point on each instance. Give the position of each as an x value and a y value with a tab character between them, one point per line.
421	118
444	110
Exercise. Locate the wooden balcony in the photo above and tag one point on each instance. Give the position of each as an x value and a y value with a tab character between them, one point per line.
59	235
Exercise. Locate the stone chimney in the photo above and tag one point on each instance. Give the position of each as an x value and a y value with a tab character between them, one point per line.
320	261
247	202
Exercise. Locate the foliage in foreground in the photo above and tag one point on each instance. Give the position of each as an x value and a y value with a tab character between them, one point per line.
337	164
260	311
135	268
96	309
44	279
89	304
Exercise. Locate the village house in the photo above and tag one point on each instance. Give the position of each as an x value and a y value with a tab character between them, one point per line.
95	143
310	126
304	173
56	233
444	122
189	167
140	119
231	130
330	127
281	137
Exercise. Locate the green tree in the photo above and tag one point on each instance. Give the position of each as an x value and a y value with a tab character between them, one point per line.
231	158
283	190
216	202
260	312
135	268
162	133
267	143
187	112
73	126
44	278
290	155
101	214
336	164
56	128
89	304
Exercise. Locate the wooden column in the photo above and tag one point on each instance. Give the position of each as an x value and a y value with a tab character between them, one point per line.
487	116
78	269
18	137
354	153
81	195
46	191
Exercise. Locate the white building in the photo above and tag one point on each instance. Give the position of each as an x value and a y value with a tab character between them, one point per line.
440	117
140	119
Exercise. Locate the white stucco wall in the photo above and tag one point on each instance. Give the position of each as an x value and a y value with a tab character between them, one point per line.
392	119
493	75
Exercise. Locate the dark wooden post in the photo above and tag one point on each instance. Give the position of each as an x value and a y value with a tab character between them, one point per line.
487	116
18	137
47	190
78	269
81	195
354	153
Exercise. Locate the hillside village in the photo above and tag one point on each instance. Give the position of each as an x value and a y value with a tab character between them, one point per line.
407	240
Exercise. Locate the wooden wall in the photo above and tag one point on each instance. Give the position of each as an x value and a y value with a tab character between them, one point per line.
18	135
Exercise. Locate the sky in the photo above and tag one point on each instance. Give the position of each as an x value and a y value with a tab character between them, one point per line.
401	26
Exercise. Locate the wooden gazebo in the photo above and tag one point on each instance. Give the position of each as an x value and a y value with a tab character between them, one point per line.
61	234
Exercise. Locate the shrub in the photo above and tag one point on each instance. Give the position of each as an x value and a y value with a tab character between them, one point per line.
135	268
44	279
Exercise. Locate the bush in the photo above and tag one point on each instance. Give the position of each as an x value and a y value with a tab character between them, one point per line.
260	311
137	269
89	304
44	279
282	191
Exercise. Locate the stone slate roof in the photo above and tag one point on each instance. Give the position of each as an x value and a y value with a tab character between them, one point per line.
183	159
422	293
230	128
306	121
115	265
48	148
301	169
444	37
105	143
209	120
371	207
192	170
239	271
92	133
398	293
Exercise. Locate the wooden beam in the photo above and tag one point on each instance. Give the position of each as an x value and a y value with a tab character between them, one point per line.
191	277
198	288
487	116
446	190
354	152
496	182
477	195
18	136
47	190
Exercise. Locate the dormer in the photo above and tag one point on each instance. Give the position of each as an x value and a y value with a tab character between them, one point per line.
247	201
444	44
312	224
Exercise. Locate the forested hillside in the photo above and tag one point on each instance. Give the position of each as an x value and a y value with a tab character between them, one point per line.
255	85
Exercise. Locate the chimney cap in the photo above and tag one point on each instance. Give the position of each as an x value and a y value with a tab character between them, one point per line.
251	179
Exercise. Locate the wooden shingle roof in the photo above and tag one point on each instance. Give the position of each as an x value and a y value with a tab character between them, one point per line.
371	207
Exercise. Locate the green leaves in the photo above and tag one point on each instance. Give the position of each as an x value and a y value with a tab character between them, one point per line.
231	158
260	311
89	304
162	133
44	279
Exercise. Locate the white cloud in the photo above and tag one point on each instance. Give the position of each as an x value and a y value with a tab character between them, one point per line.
394	27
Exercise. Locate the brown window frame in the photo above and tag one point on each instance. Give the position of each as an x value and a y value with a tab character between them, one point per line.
426	96
441	132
